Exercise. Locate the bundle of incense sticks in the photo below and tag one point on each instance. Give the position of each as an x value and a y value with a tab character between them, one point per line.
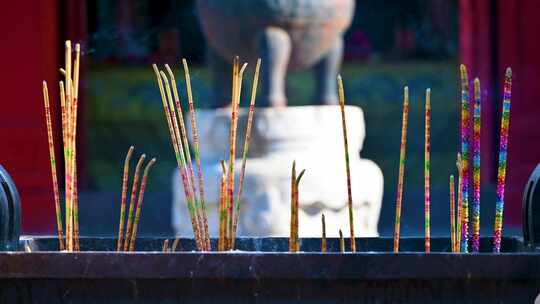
401	167
69	105
127	243
341	94
182	152
195	200
294	242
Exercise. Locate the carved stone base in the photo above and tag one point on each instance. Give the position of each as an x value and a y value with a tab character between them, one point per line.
312	136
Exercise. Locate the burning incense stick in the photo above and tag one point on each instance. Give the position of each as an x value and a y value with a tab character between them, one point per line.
294	211
503	150
195	139
346	145
427	243
139	205
190	202
452	214
464	159
459	204
53	167
132	201
475	242
401	167
246	145
341	242
323	238
125	181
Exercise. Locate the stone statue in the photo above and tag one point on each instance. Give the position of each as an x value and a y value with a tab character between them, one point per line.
286	34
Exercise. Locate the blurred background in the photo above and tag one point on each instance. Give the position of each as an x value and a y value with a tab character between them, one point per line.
390	44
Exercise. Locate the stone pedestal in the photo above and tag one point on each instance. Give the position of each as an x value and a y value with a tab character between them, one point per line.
312	136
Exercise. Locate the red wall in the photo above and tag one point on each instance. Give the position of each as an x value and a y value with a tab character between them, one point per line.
29	55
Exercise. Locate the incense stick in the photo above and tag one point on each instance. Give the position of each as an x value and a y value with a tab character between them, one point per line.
323	238
503	151
52	158
341	242
401	167
67	143
246	145
175	244
139	204
296	206
125	181
165	247
222	210
294	212
132	201
452	214
464	159
475	242
197	154
346	146
427	242
75	111
459	204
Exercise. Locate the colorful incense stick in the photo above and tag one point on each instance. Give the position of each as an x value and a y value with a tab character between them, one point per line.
452	214
132	201
195	139
125	181
346	146
459	204
475	216
323	238
139	204
465	130
501	171
401	167
427	241
52	157
246	145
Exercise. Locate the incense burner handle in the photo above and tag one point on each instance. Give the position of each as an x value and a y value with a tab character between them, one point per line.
531	210
10	213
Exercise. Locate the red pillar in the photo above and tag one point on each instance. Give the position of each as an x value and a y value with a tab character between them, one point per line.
29	55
